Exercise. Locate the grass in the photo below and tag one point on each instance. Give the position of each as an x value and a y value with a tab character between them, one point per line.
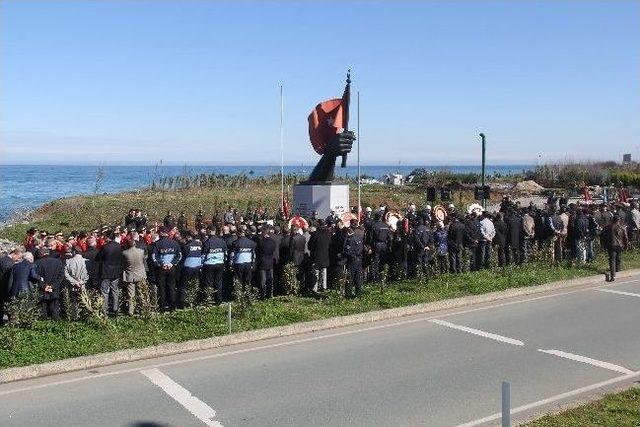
84	213
49	341
614	410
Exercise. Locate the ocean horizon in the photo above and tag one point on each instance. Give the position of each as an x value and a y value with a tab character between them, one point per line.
26	187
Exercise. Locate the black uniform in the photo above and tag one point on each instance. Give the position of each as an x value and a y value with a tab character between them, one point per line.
191	267
455	243
353	252
422	241
243	255
214	251
166	251
380	236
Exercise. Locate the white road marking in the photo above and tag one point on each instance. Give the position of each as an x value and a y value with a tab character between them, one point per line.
612	291
195	406
589	361
478	332
553	399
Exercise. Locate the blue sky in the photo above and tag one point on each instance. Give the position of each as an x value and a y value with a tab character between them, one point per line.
198	82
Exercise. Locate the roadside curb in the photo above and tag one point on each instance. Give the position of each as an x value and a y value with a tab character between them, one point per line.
168	349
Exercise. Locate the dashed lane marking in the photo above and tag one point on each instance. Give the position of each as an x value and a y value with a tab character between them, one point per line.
477	332
195	406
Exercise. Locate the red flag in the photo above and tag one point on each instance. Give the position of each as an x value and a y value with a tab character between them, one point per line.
285	206
326	121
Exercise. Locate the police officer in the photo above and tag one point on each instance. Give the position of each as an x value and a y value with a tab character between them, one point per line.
422	244
353	251
166	255
192	264
214	251
380	236
243	255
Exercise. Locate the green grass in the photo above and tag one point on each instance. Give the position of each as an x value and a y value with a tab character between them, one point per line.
84	213
614	410
49	340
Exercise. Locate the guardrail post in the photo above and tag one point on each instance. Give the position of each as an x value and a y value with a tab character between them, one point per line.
229	315
506	404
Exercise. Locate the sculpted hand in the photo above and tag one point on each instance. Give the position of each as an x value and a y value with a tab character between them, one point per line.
341	144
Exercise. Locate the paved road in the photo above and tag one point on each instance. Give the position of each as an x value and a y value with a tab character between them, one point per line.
444	369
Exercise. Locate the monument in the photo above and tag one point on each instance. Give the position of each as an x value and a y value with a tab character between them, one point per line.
330	137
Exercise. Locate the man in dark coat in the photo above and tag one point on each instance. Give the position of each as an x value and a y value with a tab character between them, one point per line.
109	260
266	249
6	279
93	267
500	241
514	237
455	243
615	239
353	252
297	245
51	270
380	239
319	247
472	239
23	276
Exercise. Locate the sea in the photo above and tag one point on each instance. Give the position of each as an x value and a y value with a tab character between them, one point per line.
26	187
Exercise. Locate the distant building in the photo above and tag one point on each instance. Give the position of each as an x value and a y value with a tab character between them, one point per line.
626	158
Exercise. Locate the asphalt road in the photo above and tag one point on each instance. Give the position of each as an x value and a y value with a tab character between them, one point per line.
441	369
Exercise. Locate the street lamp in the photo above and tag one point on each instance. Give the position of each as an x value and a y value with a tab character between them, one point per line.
484	144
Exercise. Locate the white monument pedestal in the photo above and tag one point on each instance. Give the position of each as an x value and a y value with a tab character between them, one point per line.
321	198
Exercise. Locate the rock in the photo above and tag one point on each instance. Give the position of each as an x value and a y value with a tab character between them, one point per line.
529	186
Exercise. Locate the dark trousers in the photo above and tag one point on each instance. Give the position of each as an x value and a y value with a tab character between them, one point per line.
188	274
513	255
473	258
422	262
378	261
442	263
1	312
166	281
243	271
51	308
266	283
615	254
455	256
354	272
484	255
213	277
501	255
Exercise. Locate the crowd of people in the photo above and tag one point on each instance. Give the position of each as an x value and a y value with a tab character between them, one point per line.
251	250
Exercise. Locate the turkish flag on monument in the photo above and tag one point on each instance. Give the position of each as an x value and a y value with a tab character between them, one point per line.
326	121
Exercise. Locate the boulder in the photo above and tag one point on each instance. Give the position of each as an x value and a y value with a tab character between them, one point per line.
528	186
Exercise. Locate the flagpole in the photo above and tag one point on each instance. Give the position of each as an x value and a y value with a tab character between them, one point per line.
345	112
281	149
358	140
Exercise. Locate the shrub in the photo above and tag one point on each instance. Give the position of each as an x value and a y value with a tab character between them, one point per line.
24	311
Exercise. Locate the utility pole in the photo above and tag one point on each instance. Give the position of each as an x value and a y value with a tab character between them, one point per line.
484	145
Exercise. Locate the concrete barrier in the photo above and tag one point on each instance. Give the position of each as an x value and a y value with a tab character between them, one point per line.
168	349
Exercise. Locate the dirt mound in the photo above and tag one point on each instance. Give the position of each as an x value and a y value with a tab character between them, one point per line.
529	186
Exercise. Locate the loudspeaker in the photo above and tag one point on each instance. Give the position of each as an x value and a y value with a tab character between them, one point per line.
431	194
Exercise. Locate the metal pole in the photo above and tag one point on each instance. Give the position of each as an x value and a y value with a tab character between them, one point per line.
281	148
229	315
358	141
506	404
484	201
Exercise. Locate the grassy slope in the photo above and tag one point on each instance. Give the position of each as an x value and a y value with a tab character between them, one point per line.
57	340
614	410
91	211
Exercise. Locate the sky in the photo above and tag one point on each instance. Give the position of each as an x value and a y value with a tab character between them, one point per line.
198	82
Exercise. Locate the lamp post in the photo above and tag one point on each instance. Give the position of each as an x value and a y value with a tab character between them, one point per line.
484	144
